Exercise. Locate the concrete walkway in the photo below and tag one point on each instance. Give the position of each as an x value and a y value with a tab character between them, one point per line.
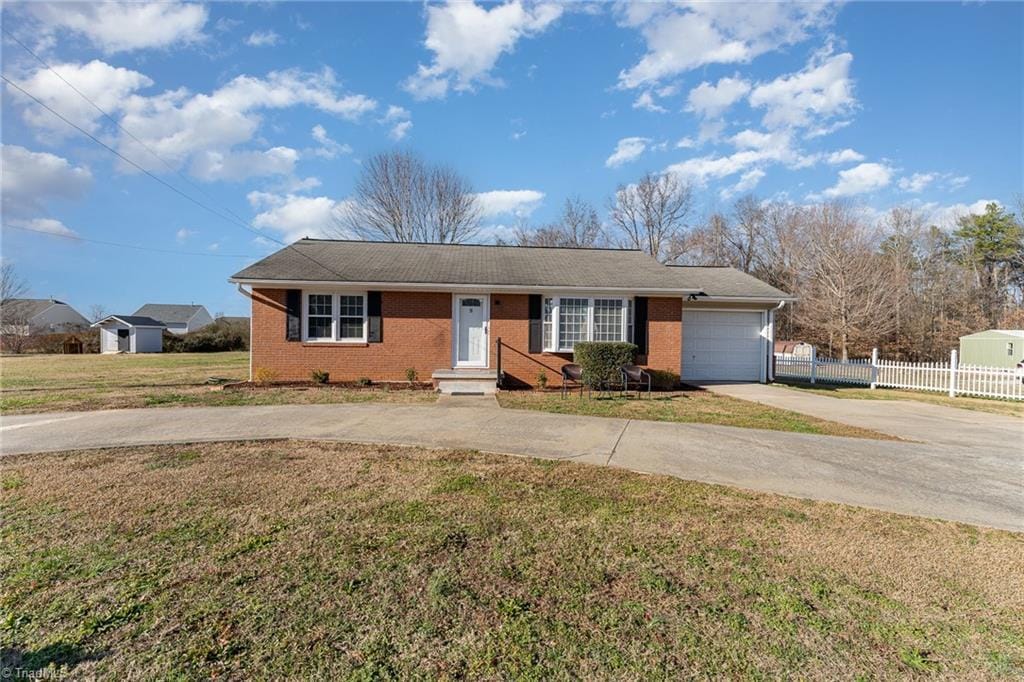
980	484
907	419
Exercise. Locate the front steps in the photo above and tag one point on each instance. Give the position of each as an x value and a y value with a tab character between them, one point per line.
466	381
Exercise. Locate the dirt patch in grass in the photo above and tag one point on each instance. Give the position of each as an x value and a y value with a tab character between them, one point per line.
59	383
296	560
1012	408
690	406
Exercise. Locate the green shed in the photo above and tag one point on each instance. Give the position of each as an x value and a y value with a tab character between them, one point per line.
992	348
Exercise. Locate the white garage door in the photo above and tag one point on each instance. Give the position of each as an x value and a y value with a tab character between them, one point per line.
722	345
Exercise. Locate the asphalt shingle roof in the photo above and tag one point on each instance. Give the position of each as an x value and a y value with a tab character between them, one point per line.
318	260
168	313
725	281
137	320
26	308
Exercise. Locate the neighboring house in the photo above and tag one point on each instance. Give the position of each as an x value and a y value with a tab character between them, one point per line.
232	321
375	310
130	334
793	349
24	316
992	348
179	319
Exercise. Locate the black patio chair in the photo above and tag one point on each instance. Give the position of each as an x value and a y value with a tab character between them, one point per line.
635	375
572	374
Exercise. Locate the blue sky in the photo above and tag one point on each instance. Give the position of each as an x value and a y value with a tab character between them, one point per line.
265	110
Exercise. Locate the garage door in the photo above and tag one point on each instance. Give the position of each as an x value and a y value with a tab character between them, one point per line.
722	346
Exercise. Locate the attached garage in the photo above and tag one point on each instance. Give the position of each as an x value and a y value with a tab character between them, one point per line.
724	345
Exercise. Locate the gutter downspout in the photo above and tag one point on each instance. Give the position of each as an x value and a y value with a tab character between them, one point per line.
771	339
248	295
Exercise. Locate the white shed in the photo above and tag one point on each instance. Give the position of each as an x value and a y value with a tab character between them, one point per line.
130	334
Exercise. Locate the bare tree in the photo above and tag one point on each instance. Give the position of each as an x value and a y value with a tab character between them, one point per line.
578	227
847	293
651	214
400	198
97	312
14	312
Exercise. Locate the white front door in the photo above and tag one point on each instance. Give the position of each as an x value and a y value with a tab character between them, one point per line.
471	317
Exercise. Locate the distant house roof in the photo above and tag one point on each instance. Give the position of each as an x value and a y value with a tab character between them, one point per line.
169	313
131	321
230	319
26	308
509	267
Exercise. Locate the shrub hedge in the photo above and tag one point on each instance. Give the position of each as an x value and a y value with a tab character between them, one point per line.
601	360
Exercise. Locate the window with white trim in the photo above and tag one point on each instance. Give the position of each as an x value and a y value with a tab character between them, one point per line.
335	317
570	319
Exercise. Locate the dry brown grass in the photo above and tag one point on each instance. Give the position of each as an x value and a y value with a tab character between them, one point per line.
687	406
298	560
60	383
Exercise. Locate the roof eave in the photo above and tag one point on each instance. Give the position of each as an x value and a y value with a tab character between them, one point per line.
451	286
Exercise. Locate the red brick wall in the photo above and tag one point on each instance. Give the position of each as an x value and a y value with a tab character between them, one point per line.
417	333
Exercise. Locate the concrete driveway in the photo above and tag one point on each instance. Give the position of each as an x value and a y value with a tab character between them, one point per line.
907	419
981	483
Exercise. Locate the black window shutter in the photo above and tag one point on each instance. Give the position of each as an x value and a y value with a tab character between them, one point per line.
374	319
640	324
536	324
293	308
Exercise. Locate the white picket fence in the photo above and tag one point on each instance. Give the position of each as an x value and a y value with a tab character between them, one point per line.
950	377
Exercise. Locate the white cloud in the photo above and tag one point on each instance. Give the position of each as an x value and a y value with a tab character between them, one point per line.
747	182
682	37
916	182
628	149
468	39
183	234
399	118
262	39
31	179
645	100
233	166
295	216
47	225
122	26
400	130
947	216
328	149
180	125
516	202
958	181
106	85
866	177
844	156
710	101
686	143
755	149
821	90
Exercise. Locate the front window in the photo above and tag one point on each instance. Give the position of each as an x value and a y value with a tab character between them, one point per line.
335	317
320	316
568	320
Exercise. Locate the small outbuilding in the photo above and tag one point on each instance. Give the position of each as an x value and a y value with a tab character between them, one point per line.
131	334
993	348
793	349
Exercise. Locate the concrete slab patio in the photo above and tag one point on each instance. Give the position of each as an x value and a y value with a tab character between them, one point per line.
981	483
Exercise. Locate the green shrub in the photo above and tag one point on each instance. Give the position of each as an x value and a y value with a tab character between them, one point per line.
264	375
542	380
363	381
213	338
601	360
410	375
320	377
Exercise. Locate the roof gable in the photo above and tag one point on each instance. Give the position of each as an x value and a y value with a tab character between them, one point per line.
169	313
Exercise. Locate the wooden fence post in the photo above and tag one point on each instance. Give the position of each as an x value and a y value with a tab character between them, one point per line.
814	364
874	368
952	373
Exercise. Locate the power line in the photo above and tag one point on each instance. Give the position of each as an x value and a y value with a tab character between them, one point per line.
240	222
117	123
128	246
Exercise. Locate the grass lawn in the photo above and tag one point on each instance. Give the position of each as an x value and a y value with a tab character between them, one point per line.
298	560
697	406
1012	408
52	383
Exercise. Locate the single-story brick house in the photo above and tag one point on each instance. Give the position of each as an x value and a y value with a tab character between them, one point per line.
456	312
